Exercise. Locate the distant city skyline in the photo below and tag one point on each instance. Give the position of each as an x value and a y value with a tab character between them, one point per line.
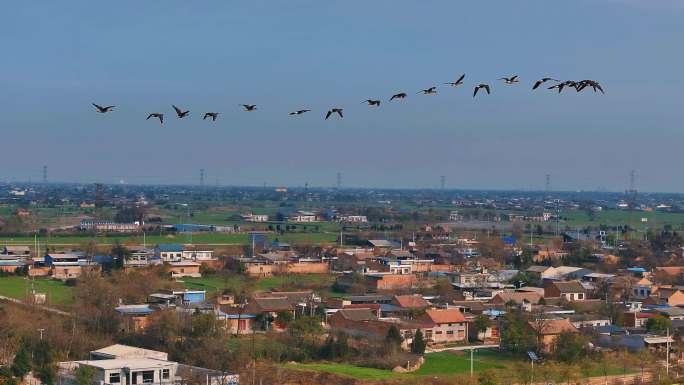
143	57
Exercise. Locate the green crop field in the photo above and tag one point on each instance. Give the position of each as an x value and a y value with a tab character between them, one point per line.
17	287
194	238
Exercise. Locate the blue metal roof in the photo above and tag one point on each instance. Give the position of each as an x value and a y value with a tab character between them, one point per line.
169	247
636	269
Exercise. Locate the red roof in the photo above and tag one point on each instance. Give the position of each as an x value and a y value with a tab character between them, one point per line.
445	316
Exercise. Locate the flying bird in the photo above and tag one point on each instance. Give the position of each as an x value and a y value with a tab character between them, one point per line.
458	82
181	114
542	81
298	112
510	80
589	83
102	110
481	86
428	91
212	115
400	95
567	83
157	115
249	107
332	111
372	102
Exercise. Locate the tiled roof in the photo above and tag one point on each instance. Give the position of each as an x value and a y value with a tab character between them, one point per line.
411	301
569	287
443	316
358	314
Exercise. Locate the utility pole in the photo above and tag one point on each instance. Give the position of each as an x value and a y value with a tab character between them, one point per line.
667	353
471	362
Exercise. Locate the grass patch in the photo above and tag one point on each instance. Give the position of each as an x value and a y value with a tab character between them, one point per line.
441	363
17	287
238	283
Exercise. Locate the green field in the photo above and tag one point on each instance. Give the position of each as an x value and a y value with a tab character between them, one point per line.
151	239
442	363
655	219
17	287
436	364
236	283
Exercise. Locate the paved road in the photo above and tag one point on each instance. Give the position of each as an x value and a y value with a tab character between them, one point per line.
462	348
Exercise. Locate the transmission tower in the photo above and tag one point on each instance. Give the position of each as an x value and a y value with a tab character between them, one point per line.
442	181
44	174
339	180
202	177
548	182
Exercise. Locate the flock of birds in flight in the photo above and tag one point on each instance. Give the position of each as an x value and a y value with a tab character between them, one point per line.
559	86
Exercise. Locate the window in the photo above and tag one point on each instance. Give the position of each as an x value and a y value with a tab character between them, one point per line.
438	332
166	374
114	378
148	376
450	332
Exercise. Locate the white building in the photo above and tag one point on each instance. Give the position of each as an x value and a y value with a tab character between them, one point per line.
353	218
198	255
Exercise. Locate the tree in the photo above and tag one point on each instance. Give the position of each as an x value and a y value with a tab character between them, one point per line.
393	338
658	324
570	347
482	323
418	344
283	318
85	375
516	336
22	362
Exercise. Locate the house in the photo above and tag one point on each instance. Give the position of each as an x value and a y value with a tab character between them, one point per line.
235	319
448	325
670	296
548	330
517	297
124	351
198	255
270	307
65	265
16	251
410	302
588	320
139	257
184	269
134	317
569	290
381	281
128	371
353	219
302	216
169	252
104	226
254	217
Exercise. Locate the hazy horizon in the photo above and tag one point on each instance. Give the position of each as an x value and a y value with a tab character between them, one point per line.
143	57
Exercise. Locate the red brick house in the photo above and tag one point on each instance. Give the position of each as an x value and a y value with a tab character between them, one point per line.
447	325
570	290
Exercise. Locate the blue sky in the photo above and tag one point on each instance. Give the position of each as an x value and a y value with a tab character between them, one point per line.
143	56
